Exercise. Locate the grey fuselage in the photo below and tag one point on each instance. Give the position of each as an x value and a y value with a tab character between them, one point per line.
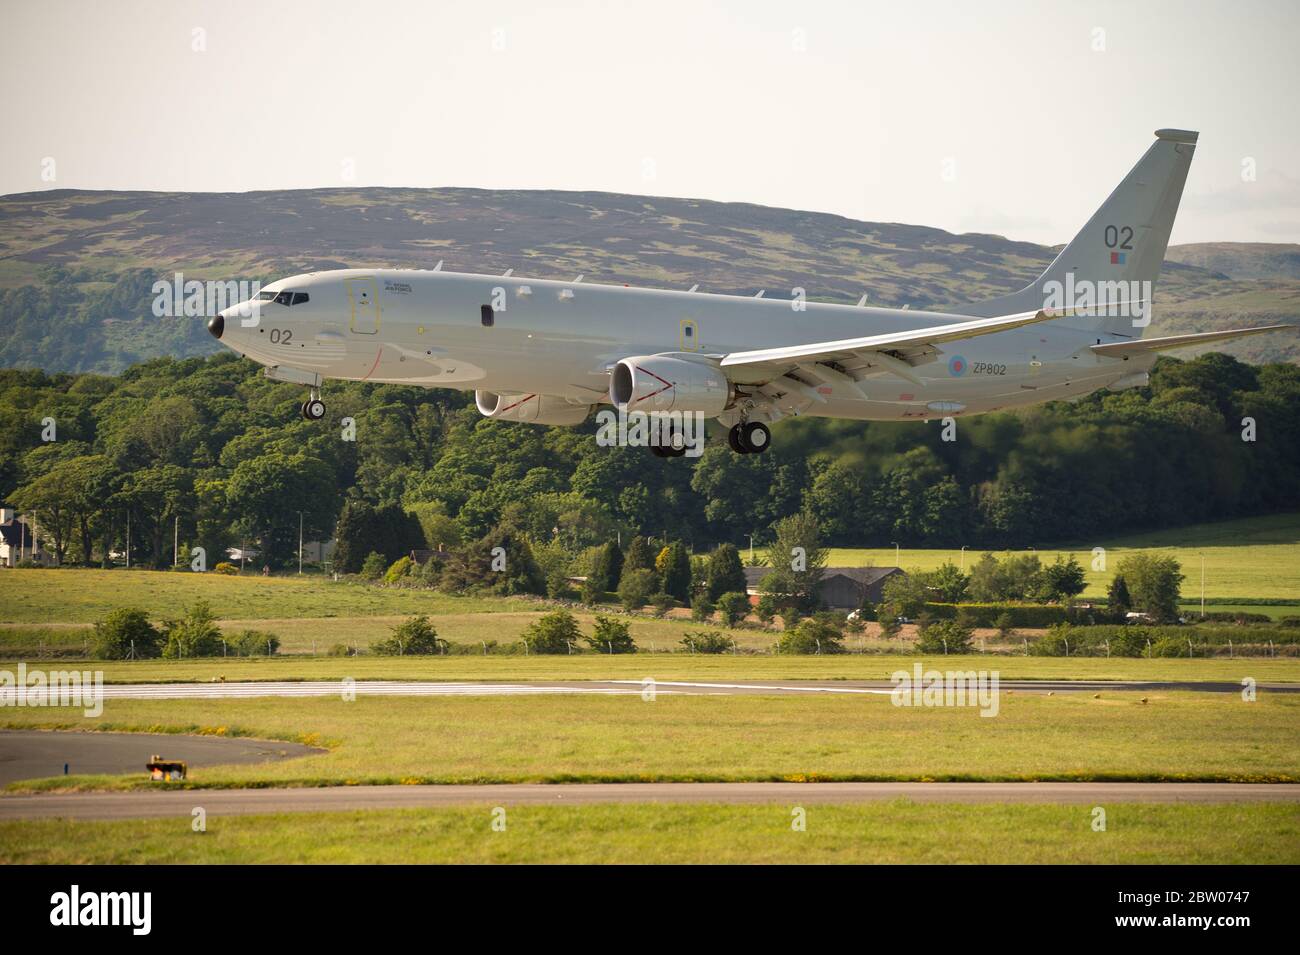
561	338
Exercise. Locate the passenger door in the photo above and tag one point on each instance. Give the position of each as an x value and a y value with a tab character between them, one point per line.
363	296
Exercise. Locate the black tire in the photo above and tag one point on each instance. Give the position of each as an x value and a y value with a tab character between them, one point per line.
756	437
734	440
314	409
302	410
659	450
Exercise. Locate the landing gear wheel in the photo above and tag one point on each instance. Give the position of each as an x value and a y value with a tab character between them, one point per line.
313	409
733	439
754	437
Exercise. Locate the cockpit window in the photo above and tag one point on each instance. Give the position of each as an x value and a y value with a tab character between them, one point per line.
284	298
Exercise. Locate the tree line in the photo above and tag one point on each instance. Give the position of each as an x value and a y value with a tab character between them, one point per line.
210	452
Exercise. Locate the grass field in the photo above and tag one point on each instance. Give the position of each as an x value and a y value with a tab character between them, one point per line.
1255	557
569	738
893	832
677	666
83	596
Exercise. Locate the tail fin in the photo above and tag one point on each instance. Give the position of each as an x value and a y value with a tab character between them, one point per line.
1124	241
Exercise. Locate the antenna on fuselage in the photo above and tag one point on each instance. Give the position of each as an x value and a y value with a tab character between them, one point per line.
862	301
578	279
438	267
693	288
507	273
760	293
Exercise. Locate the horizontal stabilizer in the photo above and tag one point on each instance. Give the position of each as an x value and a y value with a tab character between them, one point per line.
1143	345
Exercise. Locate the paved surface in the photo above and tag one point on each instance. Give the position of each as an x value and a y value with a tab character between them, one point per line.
229	802
306	688
32	754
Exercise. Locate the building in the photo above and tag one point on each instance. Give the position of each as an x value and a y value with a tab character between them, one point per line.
841	588
17	542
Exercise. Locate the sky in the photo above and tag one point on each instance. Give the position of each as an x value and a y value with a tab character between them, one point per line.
1015	118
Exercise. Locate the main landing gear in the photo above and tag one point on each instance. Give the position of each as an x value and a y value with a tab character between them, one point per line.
750	437
313	409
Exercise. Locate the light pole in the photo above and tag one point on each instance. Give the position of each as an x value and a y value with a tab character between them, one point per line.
897	559
300	543
751	549
176	542
1202	585
963	556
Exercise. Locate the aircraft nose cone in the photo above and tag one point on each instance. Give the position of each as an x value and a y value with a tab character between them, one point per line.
216	325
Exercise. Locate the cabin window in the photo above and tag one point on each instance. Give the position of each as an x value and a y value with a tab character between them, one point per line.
265	296
486	315
299	298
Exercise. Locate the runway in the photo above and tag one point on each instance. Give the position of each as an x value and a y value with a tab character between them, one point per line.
336	688
233	802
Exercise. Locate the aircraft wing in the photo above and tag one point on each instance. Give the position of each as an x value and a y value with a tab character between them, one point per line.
901	341
1143	345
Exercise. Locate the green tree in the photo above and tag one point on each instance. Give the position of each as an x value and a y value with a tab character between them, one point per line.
675	574
611	635
1062	579
797	559
944	636
413	637
635	588
556	632
732	607
1154	583
195	634
948	584
1117	595
125	634
724	573
606	568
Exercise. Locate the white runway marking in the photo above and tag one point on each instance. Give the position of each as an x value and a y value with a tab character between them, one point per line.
756	687
222	691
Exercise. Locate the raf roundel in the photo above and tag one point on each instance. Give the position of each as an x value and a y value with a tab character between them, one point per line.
956	366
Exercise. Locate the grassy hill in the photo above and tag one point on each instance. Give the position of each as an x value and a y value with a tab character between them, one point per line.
76	266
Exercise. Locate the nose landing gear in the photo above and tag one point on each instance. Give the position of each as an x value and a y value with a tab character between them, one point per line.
750	437
313	409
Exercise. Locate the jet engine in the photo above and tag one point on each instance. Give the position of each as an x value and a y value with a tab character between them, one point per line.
653	383
534	409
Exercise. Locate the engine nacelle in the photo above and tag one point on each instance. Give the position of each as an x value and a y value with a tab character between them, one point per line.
653	383
533	409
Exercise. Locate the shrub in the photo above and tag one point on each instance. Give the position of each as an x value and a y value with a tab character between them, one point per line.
125	631
724	573
225	567
341	650
944	636
413	637
557	632
733	607
810	636
399	569
373	567
252	643
194	635
662	603
766	608
701	608
635	588
592	592
707	641
611	635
